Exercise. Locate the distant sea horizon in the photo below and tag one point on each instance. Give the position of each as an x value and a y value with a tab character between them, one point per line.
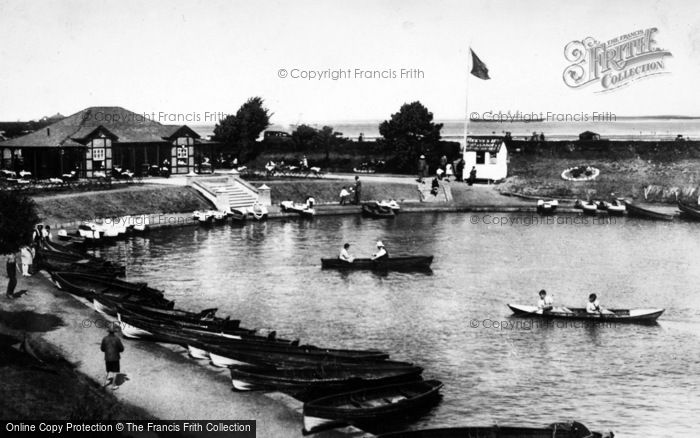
620	128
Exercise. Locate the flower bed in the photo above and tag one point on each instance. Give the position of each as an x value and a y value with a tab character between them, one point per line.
580	173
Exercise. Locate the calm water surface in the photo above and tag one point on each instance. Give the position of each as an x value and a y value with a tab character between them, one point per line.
633	379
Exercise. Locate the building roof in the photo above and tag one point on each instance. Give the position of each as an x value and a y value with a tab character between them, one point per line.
491	145
121	125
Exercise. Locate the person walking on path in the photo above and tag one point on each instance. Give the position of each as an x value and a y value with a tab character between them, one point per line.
422	164
11	266
460	169
112	347
358	189
472	175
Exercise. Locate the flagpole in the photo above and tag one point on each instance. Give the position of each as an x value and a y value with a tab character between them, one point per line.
466	98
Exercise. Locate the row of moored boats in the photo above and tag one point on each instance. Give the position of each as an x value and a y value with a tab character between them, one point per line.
620	207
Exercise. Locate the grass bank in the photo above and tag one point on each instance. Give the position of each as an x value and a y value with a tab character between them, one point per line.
651	179
68	207
327	191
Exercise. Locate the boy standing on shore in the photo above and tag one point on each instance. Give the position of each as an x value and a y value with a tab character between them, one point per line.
112	347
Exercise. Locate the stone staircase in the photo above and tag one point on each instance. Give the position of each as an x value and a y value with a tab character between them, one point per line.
228	192
234	194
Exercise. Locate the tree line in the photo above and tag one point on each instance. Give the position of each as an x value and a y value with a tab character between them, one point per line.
405	136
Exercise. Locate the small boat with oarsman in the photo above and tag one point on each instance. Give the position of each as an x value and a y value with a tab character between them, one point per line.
575	313
405	263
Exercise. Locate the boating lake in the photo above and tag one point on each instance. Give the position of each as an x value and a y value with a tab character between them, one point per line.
497	369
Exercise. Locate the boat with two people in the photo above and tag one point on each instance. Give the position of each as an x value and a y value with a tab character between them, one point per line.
380	261
593	311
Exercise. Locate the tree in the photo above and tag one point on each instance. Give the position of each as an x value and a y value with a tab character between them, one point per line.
409	133
307	138
327	139
303	136
240	131
18	218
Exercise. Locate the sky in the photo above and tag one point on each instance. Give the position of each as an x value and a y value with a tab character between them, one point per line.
192	58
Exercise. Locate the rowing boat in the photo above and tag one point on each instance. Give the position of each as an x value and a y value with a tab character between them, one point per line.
65	261
615	208
204	320
639	211
375	210
209	217
588	207
547	208
571	429
302	210
609	315
305	383
688	211
92	286
242	347
162	328
391	263
370	405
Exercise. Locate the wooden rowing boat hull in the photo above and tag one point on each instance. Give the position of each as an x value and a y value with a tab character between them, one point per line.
392	263
370	405
636	210
689	212
91	286
572	429
313	382
618	315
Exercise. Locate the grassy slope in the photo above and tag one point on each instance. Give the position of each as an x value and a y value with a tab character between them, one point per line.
53	391
325	191
137	200
541	176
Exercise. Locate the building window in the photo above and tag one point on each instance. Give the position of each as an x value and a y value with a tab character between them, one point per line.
98	154
493	159
182	151
480	157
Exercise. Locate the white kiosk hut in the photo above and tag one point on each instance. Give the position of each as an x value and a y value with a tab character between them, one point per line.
489	155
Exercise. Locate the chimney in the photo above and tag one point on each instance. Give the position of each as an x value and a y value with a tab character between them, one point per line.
48	132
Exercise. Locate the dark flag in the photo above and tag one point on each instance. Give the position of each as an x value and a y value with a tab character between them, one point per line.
479	69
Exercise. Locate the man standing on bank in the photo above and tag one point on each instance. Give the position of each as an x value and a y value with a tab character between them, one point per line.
11	266
358	189
112	347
